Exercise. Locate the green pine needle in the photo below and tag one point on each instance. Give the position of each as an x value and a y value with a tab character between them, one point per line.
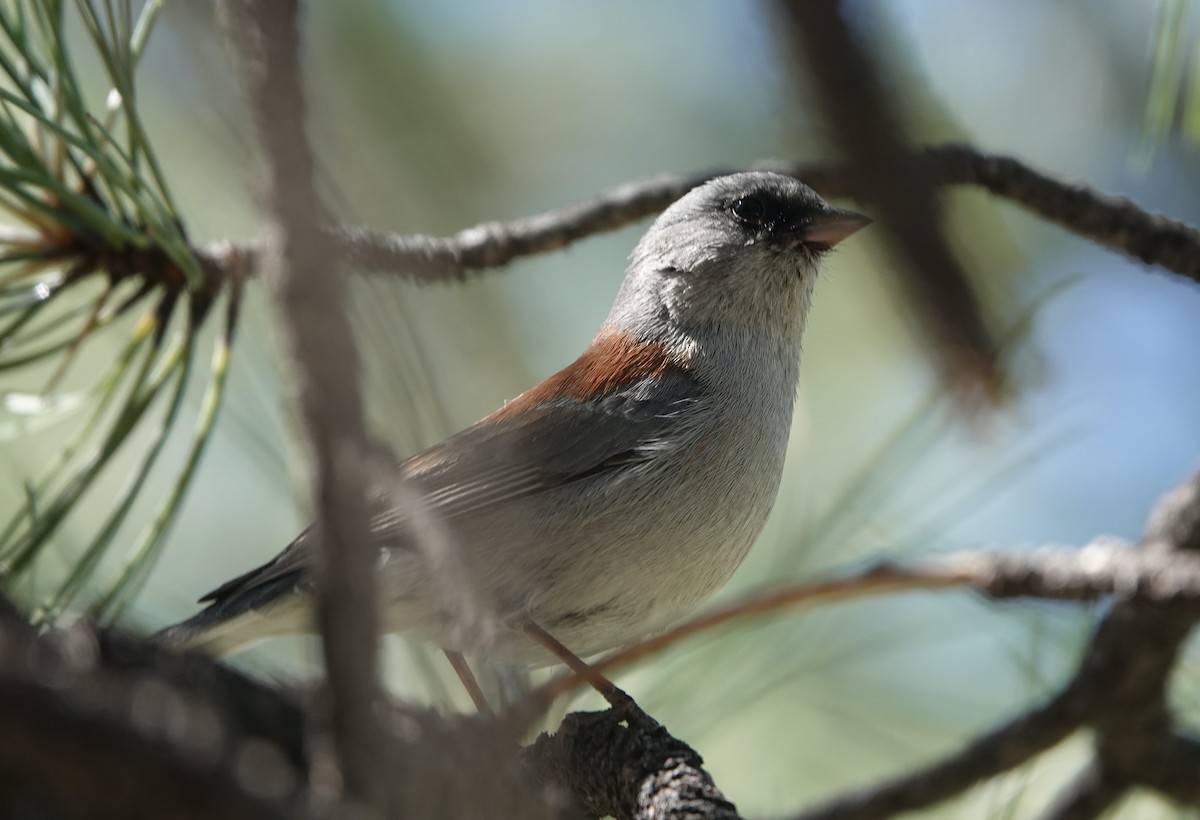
100	239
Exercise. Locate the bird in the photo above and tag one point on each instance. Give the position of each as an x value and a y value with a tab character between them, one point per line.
611	499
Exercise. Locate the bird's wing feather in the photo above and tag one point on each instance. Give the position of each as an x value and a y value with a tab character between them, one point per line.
510	455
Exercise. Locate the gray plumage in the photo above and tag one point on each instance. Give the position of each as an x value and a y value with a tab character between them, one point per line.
613	497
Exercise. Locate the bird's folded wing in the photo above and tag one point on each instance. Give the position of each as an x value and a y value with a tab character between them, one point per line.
508	456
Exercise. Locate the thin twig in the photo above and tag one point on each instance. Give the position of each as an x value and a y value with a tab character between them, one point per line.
1105	567
310	291
1110	221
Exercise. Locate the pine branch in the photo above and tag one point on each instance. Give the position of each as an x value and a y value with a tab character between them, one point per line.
100	251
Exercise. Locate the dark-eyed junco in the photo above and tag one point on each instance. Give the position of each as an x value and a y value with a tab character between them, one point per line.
614	496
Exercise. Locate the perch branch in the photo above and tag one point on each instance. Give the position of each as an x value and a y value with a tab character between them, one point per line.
636	772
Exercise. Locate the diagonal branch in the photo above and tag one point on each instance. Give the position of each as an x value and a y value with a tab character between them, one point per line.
870	128
1119	681
1000	750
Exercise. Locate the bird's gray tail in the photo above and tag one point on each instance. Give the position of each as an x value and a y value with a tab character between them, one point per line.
234	623
216	637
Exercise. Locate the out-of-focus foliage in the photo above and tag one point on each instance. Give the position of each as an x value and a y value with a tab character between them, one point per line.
1173	98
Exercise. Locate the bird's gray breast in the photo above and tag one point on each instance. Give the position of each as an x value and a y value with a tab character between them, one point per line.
650	543
620	552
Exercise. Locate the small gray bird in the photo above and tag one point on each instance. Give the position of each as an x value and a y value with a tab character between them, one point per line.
613	497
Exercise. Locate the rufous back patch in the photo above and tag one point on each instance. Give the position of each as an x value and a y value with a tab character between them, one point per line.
612	361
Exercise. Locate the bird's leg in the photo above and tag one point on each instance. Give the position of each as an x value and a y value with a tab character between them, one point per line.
623	705
459	664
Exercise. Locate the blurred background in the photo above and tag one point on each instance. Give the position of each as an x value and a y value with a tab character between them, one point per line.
433	115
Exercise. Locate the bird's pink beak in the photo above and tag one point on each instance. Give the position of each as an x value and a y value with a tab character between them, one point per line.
831	227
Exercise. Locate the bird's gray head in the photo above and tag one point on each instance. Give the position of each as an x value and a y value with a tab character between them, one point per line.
739	252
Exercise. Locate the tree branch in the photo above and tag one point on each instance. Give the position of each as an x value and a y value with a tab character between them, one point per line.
1119	688
1110	221
629	772
1113	222
1169	582
1001	749
1130	659
309	287
102	726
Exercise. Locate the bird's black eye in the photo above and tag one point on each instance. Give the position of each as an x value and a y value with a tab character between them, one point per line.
751	211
